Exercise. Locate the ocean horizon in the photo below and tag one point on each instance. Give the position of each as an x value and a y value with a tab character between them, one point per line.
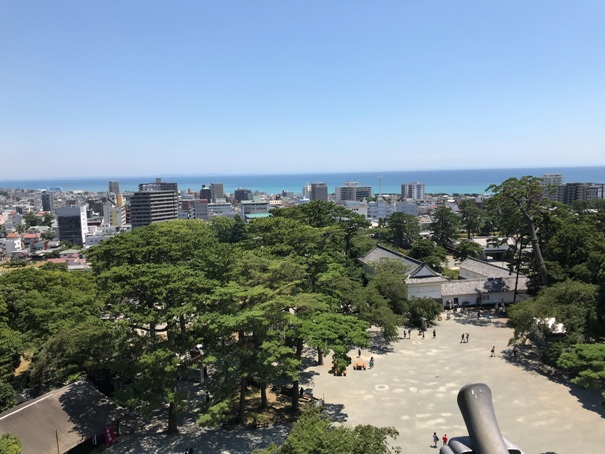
472	181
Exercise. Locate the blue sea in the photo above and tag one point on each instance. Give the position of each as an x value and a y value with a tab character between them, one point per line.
436	181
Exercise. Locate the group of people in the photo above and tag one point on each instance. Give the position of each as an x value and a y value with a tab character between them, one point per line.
408	334
436	439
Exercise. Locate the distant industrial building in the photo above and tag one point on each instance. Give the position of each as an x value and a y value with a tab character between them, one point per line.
154	202
72	225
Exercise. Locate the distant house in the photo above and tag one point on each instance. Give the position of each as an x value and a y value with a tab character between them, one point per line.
421	280
483	283
73	419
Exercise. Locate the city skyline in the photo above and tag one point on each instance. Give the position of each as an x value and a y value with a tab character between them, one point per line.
163	89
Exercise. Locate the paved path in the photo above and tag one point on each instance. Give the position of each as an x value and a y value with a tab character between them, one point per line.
414	384
413	387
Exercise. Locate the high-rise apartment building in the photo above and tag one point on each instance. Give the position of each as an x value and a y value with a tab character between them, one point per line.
154	202
573	192
217	192
412	191
554	189
306	191
72	225
114	187
319	191
47	201
159	185
552	179
352	191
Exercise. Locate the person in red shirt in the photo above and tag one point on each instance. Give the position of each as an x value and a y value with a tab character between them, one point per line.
444	439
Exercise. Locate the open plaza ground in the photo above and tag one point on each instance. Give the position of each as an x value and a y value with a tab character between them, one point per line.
413	387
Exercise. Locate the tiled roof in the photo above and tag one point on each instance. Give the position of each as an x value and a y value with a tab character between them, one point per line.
469	286
426	280
71	414
484	268
381	252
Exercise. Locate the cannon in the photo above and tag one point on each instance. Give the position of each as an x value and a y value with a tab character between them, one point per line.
484	435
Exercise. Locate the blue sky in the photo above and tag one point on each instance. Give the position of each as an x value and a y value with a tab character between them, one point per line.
124	88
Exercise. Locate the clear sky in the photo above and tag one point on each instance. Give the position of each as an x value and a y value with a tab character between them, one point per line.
96	88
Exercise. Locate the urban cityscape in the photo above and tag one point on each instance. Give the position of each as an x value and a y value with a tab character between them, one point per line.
86	219
467	276
302	227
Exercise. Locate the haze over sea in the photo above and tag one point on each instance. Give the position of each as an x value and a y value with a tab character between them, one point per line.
474	181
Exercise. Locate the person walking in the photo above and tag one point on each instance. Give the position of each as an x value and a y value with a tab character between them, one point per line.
409	333
435	439
359	352
405	333
493	351
444	439
434	333
462	338
466	337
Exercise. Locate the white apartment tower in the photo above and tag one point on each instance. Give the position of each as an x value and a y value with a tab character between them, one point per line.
412	191
217	192
554	186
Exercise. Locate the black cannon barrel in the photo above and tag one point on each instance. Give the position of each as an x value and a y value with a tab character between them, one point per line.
476	406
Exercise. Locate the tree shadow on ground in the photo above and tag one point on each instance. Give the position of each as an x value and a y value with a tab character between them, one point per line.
335	413
378	344
528	358
483	321
205	441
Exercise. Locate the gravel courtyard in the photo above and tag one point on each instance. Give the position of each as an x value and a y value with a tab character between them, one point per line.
413	387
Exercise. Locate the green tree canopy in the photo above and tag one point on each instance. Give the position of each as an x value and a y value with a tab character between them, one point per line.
30	219
445	227
466	248
313	433
587	363
428	252
419	309
402	230
10	444
572	303
472	217
517	207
